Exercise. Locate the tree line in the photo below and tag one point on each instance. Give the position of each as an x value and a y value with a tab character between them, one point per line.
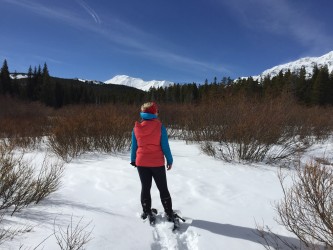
57	92
314	90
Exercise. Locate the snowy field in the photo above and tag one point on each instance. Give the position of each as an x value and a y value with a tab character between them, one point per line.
220	201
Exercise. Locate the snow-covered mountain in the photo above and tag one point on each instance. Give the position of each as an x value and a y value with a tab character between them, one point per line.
18	75
89	81
137	82
307	62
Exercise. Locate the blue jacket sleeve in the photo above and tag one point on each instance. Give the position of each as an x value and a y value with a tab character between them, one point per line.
165	146
134	147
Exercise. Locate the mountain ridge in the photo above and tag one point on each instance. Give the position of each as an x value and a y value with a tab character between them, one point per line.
138	82
294	66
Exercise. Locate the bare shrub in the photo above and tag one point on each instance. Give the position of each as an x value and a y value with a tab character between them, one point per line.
231	130
111	131
178	119
321	122
19	185
101	128
69	138
252	130
74	237
22	132
9	233
208	148
23	124
47	181
307	206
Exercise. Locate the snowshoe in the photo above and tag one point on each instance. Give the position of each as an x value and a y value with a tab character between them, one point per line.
176	224
174	217
150	215
154	211
152	219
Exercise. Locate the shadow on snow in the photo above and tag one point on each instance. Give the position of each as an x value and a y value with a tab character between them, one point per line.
273	241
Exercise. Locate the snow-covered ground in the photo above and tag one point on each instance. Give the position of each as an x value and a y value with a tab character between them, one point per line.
220	201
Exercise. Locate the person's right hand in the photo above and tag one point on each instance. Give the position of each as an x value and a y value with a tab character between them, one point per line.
169	167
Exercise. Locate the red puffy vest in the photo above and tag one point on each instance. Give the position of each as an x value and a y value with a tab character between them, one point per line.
148	136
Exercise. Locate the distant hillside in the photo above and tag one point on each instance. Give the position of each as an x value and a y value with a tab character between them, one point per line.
57	92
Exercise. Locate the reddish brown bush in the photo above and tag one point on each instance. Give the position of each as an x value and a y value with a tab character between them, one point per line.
23	123
234	128
254	130
92	128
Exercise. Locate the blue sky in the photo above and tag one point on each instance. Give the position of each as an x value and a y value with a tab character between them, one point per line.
175	40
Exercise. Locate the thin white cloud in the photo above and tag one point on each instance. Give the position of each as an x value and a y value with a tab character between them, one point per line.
47	59
281	17
46	11
90	11
128	37
187	63
142	43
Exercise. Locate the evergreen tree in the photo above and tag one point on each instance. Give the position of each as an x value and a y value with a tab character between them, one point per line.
330	89
320	87
39	71
251	86
226	80
195	93
30	85
215	80
51	94
288	78
5	81
303	87
30	73
47	94
45	71
266	83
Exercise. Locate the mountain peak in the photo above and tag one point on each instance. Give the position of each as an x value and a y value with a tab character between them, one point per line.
307	62
137	82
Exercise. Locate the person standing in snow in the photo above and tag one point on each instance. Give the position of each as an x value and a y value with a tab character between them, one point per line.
149	147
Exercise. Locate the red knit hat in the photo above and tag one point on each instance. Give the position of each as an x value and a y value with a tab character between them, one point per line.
149	107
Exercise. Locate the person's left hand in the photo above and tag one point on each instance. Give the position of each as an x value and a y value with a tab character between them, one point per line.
169	167
133	164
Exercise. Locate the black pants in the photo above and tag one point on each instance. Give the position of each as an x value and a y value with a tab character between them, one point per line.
146	175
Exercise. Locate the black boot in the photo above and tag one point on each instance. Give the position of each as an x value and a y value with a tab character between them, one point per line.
167	205
147	212
146	207
150	215
170	214
174	218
